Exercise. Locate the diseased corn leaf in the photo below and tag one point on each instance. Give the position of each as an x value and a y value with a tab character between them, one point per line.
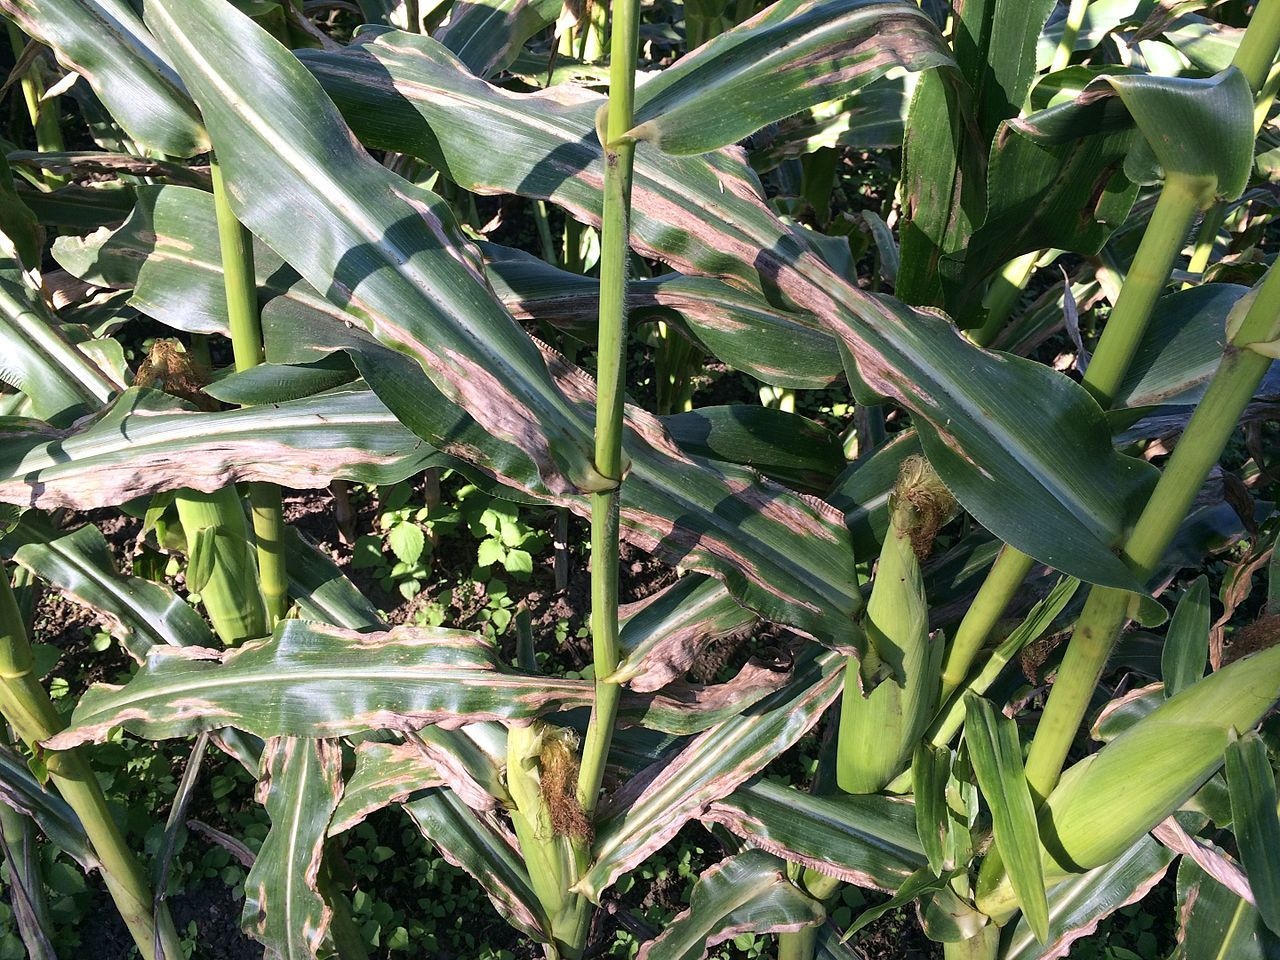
81	164
148	442
688	708
385	773
389	253
651	808
477	845
105	42
1255	822
1186	644
869	841
791	449
997	760
705	216
24	793
317	681
1080	903
781	554
738	326
138	613
486	35
663	635
40	360
77	207
748	893
1216	924
300	787
792	55
870	118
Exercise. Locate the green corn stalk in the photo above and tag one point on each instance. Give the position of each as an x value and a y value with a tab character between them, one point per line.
1181	199
1105	803
890	694
27	707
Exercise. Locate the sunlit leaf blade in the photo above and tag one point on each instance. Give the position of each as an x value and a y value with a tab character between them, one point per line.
138	613
148	442
385	773
1080	903
868	841
472	844
1186	644
922	882
649	811
24	793
39	359
872	117
486	35
389	253
705	216
317	681
1215	924
105	41
300	787
1255	822
997	760
748	893
930	769
792	55
663	635
320	589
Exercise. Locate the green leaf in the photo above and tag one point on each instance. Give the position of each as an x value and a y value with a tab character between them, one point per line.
792	56
420	284
300	787
489	552
407	541
385	774
1215	924
748	893
1186	644
869	840
1079	903
318	681
29	797
202	550
147	442
486	36
922	881
997	760
930	770
1255	822
60	380
17	222
709	767
105	41
704	215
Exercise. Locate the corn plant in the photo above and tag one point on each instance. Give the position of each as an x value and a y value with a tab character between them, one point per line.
1046	339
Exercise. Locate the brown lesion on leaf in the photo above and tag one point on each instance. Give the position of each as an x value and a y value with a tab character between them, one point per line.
172	370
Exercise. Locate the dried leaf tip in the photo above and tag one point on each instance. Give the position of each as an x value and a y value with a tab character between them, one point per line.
169	368
921	504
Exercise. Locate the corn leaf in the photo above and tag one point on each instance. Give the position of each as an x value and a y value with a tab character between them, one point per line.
487	36
997	761
793	55
1080	903
648	812
390	253
868	841
476	846
147	442
1255	822
930	770
106	42
748	893
283	907
385	774
1216	924
24	793
1186	644
408	94
40	360
139	613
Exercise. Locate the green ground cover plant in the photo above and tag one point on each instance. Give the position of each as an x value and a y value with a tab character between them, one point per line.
664	480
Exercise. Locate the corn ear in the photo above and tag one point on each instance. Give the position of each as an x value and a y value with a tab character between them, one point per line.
900	667
1105	803
221	565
